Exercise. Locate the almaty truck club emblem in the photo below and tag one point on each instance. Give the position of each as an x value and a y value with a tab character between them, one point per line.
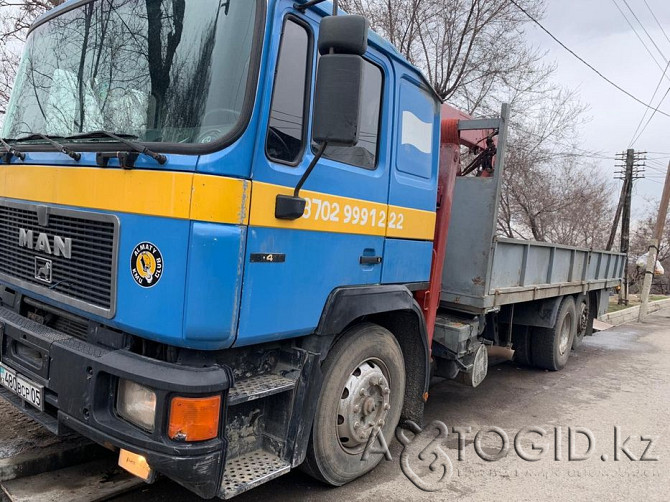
146	264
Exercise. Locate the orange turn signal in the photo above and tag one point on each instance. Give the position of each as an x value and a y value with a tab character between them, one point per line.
194	419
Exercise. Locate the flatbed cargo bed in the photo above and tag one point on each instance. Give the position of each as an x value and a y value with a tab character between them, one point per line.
483	271
523	271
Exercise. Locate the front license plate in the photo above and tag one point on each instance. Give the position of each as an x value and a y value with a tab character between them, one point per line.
22	387
136	465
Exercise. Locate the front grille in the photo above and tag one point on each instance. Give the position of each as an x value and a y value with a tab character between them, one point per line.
71	327
85	280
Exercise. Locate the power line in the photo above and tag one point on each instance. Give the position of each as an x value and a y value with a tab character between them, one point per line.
621	89
652	115
637	136
645	30
657	169
644	116
644	44
657	21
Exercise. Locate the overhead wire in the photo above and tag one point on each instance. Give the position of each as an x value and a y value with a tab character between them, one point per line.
583	61
644	115
651	117
639	37
645	30
657	21
639	130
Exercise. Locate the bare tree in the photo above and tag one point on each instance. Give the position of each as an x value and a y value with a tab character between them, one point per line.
475	55
16	16
551	189
467	48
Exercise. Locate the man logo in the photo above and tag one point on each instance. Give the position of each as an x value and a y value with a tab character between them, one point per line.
43	269
58	246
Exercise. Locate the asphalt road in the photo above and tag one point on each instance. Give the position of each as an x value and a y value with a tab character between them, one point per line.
618	378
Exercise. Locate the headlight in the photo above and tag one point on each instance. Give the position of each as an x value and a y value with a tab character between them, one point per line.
136	404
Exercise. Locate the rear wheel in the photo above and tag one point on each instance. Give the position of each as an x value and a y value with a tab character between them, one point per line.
362	392
584	320
551	346
521	341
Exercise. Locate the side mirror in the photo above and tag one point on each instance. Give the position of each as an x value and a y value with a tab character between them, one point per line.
337	100
342	42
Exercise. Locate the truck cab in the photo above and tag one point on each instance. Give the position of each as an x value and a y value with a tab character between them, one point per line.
151	298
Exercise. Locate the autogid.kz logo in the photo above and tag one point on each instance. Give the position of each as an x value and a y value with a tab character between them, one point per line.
426	447
425	462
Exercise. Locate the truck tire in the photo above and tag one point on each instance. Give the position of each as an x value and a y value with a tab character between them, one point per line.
363	387
521	342
584	320
551	346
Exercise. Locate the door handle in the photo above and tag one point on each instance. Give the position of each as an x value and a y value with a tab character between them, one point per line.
371	260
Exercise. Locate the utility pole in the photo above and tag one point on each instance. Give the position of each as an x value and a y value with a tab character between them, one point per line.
617	215
653	247
633	169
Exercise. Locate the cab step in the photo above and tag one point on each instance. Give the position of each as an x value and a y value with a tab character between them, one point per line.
250	470
258	387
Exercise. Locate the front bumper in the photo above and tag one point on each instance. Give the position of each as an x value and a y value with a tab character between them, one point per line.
80	381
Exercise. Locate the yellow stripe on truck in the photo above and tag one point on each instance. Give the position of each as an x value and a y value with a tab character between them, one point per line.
154	193
203	197
411	223
333	213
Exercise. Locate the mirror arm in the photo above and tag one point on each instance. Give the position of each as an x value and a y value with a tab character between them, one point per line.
292	207
303	7
312	165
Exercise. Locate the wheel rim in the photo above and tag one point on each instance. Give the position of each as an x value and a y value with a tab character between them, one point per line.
364	404
565	334
583	319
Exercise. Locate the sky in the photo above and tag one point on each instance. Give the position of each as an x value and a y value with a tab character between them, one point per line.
599	33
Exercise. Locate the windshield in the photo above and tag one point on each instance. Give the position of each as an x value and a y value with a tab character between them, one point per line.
170	71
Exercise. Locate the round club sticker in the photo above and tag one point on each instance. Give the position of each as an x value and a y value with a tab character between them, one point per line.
146	264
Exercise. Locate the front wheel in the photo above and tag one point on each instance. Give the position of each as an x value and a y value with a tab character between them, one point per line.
551	346
362	392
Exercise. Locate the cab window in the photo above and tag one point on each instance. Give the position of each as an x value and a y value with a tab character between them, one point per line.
286	134
364	154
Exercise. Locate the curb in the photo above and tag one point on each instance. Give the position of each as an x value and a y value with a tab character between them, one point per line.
632	313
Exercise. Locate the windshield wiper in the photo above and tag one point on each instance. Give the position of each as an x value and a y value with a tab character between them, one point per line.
127	160
50	139
11	152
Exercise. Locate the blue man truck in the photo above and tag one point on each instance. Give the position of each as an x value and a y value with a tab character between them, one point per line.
223	241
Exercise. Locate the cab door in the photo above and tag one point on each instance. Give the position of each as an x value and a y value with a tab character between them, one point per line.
292	266
413	187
